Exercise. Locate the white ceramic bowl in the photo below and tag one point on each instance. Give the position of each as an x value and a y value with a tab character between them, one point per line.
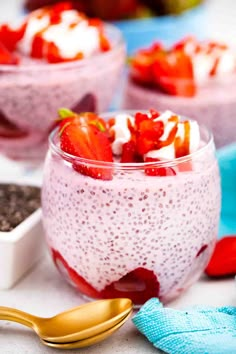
20	249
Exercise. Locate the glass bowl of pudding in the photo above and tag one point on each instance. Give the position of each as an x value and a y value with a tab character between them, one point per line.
131	203
195	79
62	59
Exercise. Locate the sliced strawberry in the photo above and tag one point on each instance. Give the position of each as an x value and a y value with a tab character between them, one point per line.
56	10
6	57
141	64
223	260
84	136
151	129
9	37
38	46
129	152
139	285
158	171
82	285
144	145
173	73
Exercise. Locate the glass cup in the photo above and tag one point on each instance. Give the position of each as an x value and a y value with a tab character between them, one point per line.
30	95
136	235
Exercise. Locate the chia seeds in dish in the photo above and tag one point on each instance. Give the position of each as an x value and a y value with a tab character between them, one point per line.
17	202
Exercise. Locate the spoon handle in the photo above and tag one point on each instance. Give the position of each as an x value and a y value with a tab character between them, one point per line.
10	314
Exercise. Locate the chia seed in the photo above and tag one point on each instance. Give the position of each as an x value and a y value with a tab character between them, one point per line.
17	202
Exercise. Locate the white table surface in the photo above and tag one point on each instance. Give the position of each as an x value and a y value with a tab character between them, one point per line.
43	293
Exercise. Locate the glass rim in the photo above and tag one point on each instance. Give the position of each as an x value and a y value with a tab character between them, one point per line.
128	166
119	42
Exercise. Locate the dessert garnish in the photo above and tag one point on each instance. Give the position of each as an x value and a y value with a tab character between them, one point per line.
17	202
55	34
223	260
142	137
180	69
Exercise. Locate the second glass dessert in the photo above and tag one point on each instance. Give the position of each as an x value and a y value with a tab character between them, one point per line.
57	57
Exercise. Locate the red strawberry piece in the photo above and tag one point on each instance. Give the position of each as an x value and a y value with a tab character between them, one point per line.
140	117
223	260
82	285
6	57
158	171
151	129
141	64
129	152
56	10
139	285
173	73
9	37
38	46
144	145
83	136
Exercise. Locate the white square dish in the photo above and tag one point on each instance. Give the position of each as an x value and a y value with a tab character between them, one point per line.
20	248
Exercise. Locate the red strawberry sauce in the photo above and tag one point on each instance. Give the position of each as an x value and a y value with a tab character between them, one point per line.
135	235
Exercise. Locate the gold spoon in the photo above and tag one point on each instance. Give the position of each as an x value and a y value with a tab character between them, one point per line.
88	341
79	323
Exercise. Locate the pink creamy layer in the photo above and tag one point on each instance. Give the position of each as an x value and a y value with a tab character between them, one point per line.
106	229
30	98
214	106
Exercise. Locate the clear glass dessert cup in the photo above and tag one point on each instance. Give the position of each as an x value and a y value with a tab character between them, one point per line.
31	93
213	105
135	235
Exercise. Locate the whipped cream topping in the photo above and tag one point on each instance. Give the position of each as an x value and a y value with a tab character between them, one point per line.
121	132
169	152
187	132
71	35
209	59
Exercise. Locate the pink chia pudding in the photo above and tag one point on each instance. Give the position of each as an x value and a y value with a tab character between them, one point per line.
53	69
148	231
197	80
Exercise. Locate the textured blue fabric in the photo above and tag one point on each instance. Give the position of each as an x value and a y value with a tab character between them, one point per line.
227	162
196	330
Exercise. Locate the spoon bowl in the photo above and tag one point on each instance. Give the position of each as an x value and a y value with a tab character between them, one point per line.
88	341
79	323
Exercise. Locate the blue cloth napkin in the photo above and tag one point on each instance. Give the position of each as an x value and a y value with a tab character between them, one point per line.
227	162
196	330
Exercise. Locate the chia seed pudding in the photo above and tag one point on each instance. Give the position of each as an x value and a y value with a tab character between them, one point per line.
135	235
32	92
195	79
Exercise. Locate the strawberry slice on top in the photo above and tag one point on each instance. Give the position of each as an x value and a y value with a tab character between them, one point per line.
84	135
173	73
6	57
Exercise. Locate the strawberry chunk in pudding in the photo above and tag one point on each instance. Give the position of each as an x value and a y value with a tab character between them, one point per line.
130	202
52	59
196	79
